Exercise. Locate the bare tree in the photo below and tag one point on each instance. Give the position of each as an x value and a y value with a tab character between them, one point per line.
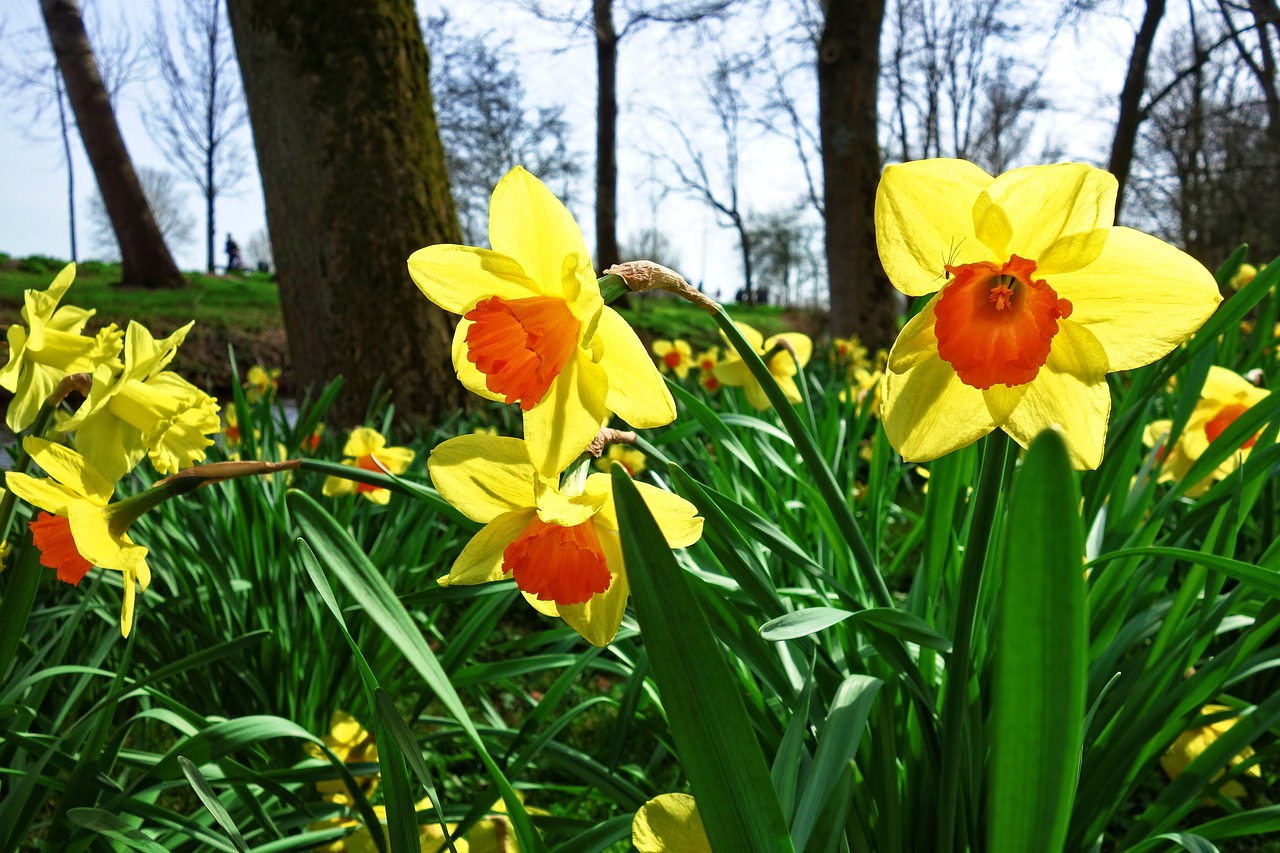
783	245
1135	86
259	250
168	204
145	260
201	105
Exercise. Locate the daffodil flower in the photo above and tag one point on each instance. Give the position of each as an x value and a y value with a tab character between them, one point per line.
367	448
535	330
1225	397
777	354
352	743
1188	746
562	549
1038	297
669	823
261	383
50	347
81	527
628	457
674	357
143	410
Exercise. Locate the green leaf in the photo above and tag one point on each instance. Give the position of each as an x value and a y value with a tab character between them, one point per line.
209	798
110	826
802	623
1040	657
713	736
905	626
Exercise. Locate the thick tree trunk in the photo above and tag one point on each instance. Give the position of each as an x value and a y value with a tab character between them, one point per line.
862	300
354	179
606	136
1135	84
145	260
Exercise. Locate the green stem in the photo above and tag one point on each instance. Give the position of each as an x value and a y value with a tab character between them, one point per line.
825	480
955	744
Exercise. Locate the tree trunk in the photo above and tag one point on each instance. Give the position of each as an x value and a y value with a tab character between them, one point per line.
354	179
862	300
606	136
1135	84
145	259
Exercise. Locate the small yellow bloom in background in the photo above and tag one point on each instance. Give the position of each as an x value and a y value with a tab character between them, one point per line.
628	457
367	448
489	430
143	410
1194	741
50	347
562	550
1038	297
352	743
5	550
261	383
535	330
849	352
1225	397
777	357
1245	273
674	357
80	527
669	823
312	442
708	359
430	836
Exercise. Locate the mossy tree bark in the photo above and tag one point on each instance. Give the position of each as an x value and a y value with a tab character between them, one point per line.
354	178
145	260
862	300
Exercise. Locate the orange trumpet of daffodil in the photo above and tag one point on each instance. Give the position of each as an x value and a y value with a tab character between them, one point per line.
562	549
1039	296
535	330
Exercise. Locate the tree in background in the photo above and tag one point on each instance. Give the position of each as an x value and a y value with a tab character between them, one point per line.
201	103
485	125
145	260
354	178
168	205
785	255
259	249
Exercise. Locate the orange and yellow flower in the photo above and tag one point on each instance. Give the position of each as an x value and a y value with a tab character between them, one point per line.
1038	297
535	330
674	357
628	457
562	549
783	354
366	448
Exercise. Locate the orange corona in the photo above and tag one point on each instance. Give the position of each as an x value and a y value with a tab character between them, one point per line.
521	345
52	535
561	564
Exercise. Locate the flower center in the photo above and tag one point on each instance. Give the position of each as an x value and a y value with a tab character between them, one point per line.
995	324
1225	418
521	345
561	564
672	359
52	535
368	463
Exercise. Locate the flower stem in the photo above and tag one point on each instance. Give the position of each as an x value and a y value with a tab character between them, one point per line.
956	743
866	562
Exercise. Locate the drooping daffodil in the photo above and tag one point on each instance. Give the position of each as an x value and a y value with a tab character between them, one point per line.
48	347
669	823
1038	297
1225	396
783	354
367	448
674	356
535	330
143	410
80	527
260	383
1188	746
562	549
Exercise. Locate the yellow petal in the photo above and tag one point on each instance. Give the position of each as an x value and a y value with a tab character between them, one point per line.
1070	393
481	559
917	340
598	619
528	223
924	221
336	486
753	338
363	441
928	412
546	608
483	476
637	393
457	277
669	823
109	445
559	428
91	530
756	395
42	492
678	519
395	459
1140	298
801	345
1048	203
468	374
565	510
70	469
126	609
1227	387
733	372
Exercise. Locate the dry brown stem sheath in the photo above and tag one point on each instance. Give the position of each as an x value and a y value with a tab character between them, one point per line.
646	275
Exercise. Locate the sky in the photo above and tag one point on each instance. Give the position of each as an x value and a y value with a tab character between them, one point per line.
660	76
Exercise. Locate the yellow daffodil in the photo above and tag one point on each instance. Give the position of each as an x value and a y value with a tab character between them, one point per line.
367	448
1225	397
849	351
669	823
707	361
50	347
628	457
80	527
1038	298
430	836
143	410
1196	740
261	383
535	330
777	353
1245	273
562	549
352	743
674	357
312	442
231	432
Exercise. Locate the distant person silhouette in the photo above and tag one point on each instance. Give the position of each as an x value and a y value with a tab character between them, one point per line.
234	261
